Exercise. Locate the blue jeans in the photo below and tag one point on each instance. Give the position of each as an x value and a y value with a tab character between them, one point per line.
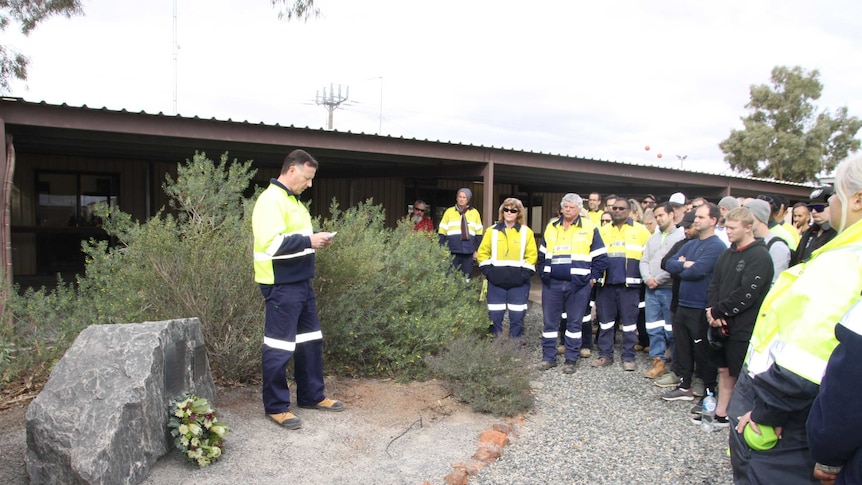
659	322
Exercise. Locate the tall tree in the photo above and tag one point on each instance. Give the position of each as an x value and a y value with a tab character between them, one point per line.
785	137
27	13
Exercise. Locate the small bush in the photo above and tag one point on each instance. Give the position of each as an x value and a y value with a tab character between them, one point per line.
488	374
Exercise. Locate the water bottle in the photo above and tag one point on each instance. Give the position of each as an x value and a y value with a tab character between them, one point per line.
707	417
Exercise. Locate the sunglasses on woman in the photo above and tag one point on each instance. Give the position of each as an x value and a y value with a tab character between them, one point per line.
513	211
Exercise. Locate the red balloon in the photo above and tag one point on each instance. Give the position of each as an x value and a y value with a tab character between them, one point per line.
658	155
646	148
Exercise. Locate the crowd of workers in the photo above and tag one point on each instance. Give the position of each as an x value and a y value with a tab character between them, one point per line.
728	298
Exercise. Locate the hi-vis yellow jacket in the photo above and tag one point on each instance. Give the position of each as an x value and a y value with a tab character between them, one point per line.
282	243
507	257
796	325
625	250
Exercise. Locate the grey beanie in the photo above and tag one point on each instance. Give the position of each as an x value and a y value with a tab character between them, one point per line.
728	202
467	192
760	209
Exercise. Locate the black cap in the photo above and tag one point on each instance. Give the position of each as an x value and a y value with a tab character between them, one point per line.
687	219
821	194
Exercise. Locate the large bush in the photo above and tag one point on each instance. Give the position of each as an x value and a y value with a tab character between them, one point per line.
388	298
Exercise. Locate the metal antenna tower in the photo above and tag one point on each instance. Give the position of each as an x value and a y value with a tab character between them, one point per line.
332	100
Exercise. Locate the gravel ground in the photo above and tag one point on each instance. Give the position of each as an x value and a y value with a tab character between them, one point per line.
607	426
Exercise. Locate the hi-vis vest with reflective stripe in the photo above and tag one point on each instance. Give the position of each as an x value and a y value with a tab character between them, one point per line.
281	226
497	250
450	230
625	250
796	325
569	250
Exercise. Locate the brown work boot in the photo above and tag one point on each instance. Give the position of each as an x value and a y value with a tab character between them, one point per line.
657	369
327	405
287	420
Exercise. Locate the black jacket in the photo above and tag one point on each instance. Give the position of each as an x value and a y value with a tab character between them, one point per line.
740	281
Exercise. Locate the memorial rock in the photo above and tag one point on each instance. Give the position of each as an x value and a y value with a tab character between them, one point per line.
102	416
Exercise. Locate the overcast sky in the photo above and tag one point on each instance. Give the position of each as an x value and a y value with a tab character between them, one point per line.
592	79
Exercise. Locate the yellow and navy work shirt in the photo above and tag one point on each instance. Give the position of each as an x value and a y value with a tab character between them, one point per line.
282	242
625	246
507	257
449	231
575	254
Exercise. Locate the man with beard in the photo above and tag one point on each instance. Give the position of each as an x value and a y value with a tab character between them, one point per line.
420	218
659	289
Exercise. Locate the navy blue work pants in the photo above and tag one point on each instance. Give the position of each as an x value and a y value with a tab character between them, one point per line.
617	303
557	297
291	331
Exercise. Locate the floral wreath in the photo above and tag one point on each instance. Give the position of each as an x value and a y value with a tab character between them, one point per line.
196	431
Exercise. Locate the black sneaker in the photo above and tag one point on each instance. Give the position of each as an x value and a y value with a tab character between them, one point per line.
569	367
719	422
697	408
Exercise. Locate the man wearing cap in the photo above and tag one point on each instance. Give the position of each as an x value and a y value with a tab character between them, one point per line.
677	200
725	205
461	229
659	289
779	251
648	202
694	263
821	231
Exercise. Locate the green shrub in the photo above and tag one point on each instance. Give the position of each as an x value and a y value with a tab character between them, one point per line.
197	264
388	298
36	329
491	375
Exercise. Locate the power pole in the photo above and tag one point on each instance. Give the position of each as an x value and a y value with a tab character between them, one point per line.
332	100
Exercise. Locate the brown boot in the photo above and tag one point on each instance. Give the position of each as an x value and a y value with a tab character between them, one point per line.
657	369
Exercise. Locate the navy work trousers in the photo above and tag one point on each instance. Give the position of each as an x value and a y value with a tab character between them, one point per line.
557	297
291	331
617	303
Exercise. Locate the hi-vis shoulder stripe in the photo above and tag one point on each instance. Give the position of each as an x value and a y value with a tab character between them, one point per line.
520	263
